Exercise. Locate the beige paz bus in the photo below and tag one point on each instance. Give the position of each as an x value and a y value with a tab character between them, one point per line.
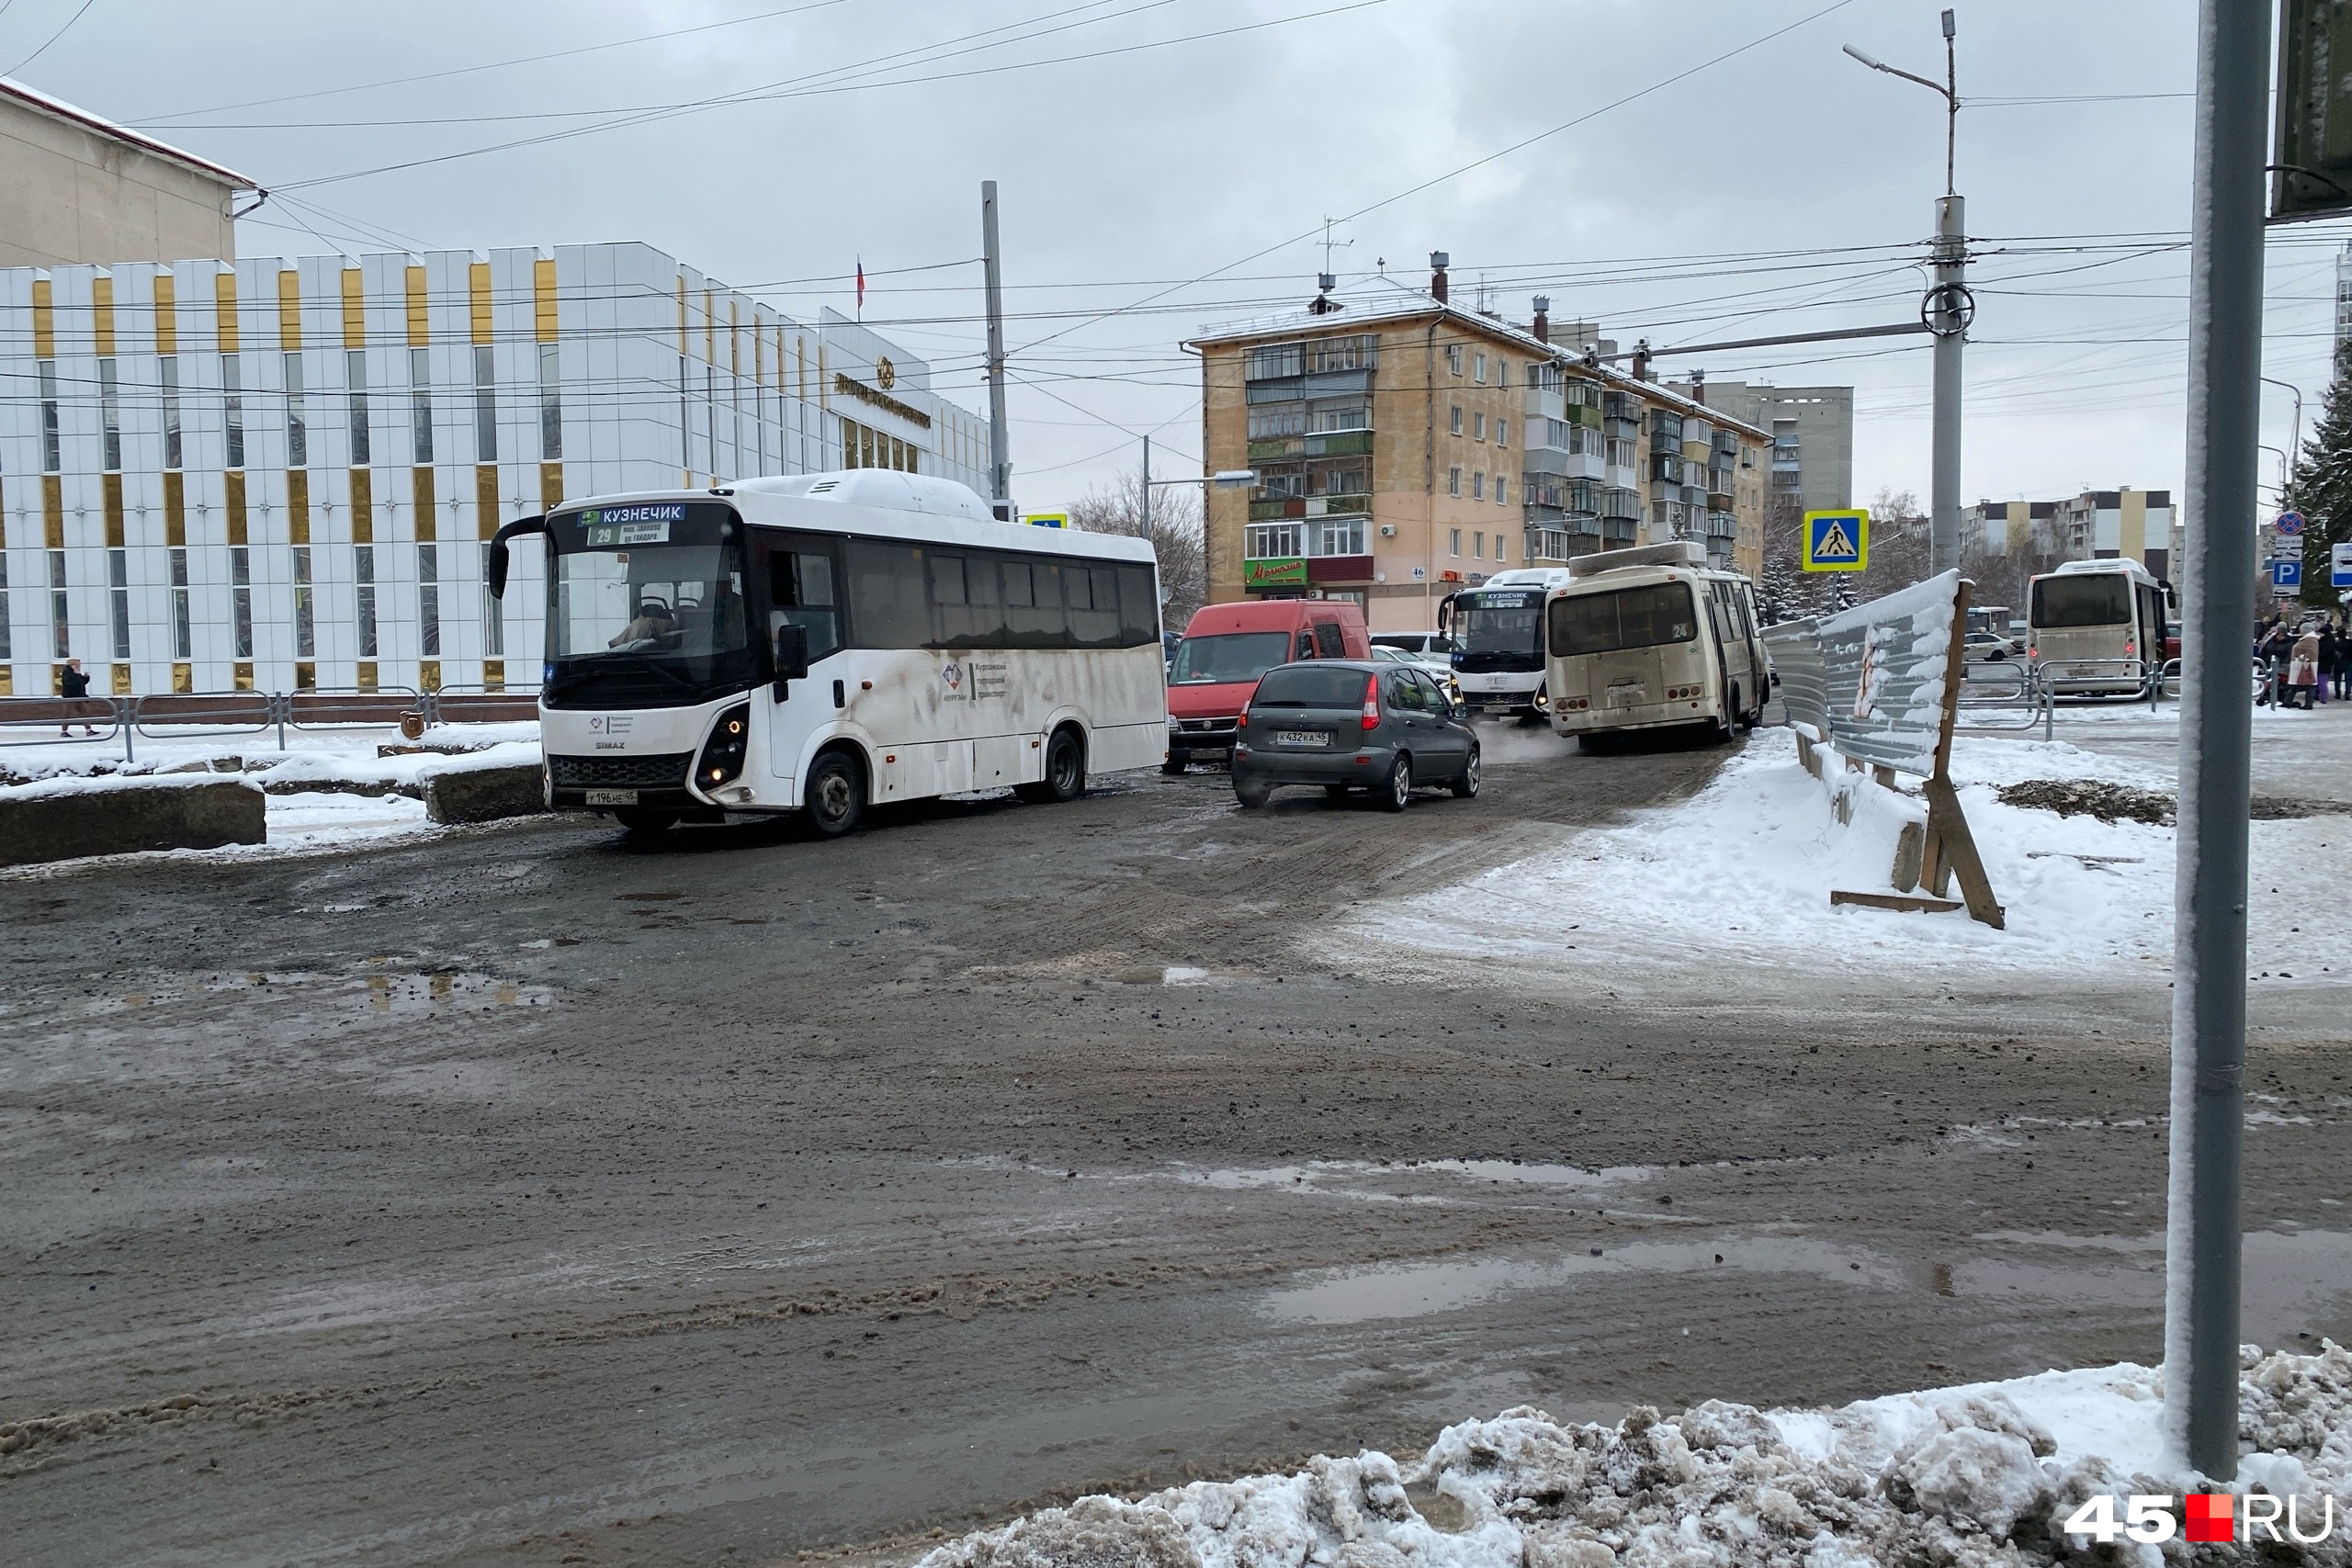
1649	636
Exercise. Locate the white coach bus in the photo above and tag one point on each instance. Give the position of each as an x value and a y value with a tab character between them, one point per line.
1652	636
827	642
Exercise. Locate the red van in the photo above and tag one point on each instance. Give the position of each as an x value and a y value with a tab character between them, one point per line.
1227	647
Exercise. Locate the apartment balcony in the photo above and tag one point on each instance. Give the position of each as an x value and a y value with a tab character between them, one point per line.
1280	506
1721	526
1616	533
1338	505
1553	461
1726	445
1326	444
1667	467
1621	405
1622	429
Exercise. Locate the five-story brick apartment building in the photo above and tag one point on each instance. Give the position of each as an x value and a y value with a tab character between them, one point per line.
1406	447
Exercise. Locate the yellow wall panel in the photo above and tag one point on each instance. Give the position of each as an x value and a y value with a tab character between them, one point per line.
297	507
486	499
102	314
110	486
289	309
421	496
232	495
355	310
167	315
362	507
543	299
52	511
175	509
478	299
224	310
45	320
419	322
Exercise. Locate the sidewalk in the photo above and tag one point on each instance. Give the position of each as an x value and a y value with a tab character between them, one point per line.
2296	755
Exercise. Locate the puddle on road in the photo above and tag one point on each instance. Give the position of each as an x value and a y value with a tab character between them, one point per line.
2293	1280
1414	1290
452	991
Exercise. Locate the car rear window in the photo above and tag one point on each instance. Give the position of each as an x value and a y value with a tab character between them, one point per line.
1310	686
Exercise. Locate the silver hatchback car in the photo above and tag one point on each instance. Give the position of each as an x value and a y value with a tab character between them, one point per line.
1354	724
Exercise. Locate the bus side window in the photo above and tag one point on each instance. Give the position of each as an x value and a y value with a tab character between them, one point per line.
800	593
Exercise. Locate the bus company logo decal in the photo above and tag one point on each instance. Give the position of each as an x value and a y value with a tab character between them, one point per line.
2206	1517
951	675
609	723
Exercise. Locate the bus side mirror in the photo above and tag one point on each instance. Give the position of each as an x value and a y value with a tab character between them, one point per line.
791	658
494	569
498	557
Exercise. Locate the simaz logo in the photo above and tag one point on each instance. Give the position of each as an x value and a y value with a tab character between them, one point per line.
2210	1517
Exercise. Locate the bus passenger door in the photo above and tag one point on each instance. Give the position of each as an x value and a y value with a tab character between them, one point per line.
803	580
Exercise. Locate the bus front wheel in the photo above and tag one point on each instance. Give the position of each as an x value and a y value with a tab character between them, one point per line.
834	796
1065	771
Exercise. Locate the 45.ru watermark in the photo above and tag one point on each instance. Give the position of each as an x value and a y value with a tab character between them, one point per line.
2205	1516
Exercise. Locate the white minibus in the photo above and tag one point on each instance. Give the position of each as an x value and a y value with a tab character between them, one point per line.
1652	636
2097	628
1497	633
829	642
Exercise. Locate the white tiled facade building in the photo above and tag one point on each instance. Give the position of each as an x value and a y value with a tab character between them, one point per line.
276	475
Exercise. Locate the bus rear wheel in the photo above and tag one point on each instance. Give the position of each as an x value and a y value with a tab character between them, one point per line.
834	796
1065	771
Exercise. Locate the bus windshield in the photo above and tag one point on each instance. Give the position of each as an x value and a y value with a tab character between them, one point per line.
2090	599
1227	658
1626	618
645	606
1499	621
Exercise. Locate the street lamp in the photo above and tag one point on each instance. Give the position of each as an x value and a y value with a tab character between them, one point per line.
1948	309
1224	478
2296	445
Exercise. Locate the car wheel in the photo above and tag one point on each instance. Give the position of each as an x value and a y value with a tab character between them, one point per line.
834	796
645	824
1400	788
1251	793
1065	771
1467	786
1175	761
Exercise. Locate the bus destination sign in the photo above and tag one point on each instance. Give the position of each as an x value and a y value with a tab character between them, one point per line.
617	528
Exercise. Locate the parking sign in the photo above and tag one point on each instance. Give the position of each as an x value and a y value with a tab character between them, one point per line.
2286	572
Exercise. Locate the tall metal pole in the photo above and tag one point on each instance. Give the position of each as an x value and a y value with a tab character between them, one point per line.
2201	1253
992	275
1950	325
1147	487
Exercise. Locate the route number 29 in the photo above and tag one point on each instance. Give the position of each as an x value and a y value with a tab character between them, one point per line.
2147	1519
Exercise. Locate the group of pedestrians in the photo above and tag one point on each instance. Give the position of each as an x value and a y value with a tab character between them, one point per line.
2304	664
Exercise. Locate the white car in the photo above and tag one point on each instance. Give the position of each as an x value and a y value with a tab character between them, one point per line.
1434	665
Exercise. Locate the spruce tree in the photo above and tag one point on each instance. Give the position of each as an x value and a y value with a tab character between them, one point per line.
2321	485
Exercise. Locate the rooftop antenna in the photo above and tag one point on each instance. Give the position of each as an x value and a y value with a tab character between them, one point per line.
1330	245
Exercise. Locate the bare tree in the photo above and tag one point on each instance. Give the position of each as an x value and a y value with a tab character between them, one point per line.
1174	530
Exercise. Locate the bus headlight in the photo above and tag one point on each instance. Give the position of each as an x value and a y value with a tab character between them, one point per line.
722	754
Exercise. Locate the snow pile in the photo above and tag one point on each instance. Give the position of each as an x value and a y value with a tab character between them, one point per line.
1967	1477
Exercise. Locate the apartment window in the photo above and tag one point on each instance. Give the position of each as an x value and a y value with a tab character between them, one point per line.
552	403
1477	427
428	601
1479	368
1453	357
240	600
118	600
354	374
1454	487
183	634
1502	492
1502	547
1478	547
1274	362
5	649
52	457
1455	419
1621	453
1342	419
297	428
169	370
305	635
61	626
1453	538
363	572
420	403
485	405
110	417
1274	423
232	414
1502	372
1478	487
1502	432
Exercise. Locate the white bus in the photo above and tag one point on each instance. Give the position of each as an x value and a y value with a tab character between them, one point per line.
2096	627
1652	636
1496	631
827	642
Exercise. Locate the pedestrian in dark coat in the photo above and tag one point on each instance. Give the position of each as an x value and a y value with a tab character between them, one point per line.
72	683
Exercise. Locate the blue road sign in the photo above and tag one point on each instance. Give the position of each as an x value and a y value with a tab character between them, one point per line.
2339	564
2290	522
1837	541
2286	573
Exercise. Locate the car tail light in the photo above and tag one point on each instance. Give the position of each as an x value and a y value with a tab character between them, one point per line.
1371	702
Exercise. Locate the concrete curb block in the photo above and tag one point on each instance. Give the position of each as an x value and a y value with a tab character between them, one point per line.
483	795
130	818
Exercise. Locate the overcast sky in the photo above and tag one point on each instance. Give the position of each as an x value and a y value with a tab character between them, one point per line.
1163	159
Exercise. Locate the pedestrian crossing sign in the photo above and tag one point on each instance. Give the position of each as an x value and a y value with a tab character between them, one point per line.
1838	541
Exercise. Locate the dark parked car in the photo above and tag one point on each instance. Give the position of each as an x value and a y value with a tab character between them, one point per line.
1354	724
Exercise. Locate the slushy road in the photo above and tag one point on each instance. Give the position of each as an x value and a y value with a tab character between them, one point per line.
526	1196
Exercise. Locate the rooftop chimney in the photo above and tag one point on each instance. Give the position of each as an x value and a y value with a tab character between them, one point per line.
1323	304
1698	387
1439	261
1543	319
